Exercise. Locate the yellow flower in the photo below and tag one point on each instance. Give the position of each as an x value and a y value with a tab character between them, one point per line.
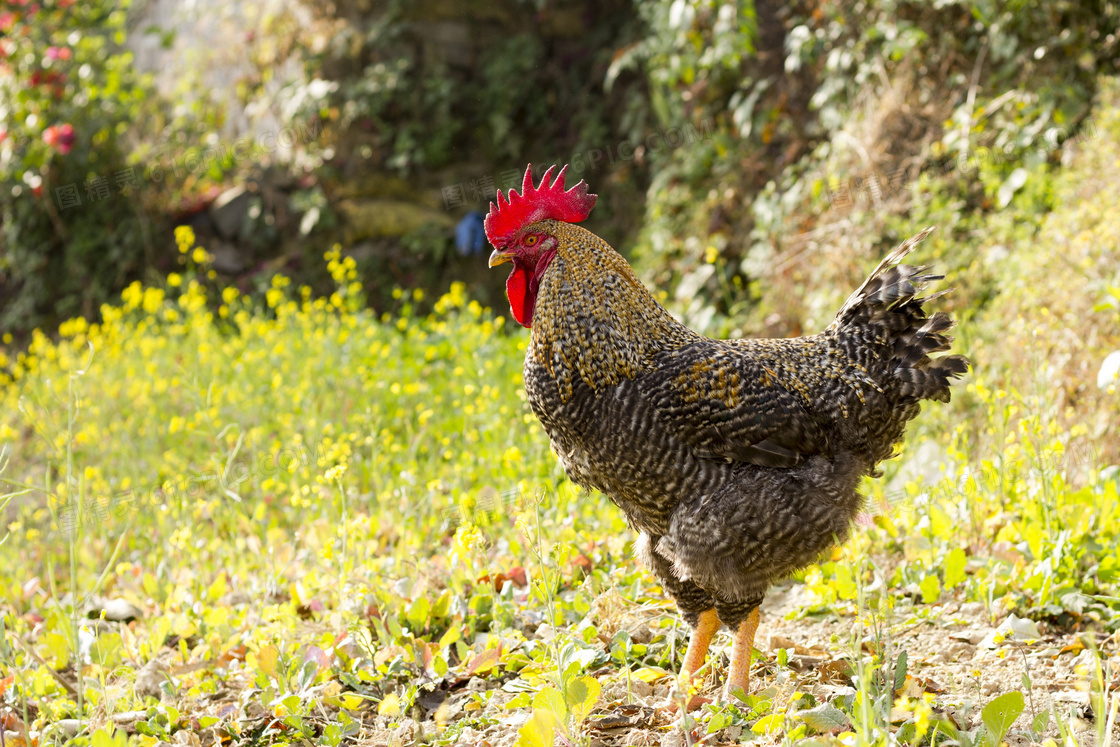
152	299
174	280
184	237
132	295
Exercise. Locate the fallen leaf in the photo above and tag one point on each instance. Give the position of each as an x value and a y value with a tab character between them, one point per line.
236	653
484	661
836	670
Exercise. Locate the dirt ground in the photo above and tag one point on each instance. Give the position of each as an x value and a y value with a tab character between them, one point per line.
953	652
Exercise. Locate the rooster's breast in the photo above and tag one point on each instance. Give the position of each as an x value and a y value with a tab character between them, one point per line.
612	440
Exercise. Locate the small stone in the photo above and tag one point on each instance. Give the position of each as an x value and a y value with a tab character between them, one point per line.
974	609
971	637
116	610
149	681
68	726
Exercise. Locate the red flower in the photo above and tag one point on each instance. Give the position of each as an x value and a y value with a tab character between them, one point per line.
58	53
59	137
7	20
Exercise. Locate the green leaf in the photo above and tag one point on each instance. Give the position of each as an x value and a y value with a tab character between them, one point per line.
538	731
769	724
845	581
453	634
550	700
108	737
1040	722
900	672
582	695
1000	714
823	719
954	568
931	589
418	614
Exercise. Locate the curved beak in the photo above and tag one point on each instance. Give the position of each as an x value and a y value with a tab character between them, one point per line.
498	257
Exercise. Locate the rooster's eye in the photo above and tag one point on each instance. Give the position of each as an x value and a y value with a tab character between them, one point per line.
530	240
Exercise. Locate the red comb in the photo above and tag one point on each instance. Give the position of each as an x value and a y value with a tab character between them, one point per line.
510	214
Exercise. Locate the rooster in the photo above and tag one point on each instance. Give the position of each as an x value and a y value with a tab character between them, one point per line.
736	461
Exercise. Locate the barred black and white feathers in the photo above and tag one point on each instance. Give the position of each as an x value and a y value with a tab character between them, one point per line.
737	460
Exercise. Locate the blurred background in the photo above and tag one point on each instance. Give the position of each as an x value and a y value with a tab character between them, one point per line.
752	158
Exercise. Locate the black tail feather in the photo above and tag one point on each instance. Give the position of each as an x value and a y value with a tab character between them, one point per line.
888	313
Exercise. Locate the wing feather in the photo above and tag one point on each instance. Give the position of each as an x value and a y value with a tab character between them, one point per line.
732	403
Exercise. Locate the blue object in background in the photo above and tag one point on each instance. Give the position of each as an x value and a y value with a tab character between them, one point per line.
470	237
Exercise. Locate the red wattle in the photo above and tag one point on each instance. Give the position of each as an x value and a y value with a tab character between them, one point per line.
521	299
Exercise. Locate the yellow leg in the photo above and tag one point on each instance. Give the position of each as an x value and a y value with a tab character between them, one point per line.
698	644
738	677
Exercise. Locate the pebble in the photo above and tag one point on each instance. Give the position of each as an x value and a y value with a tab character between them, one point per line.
974	609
